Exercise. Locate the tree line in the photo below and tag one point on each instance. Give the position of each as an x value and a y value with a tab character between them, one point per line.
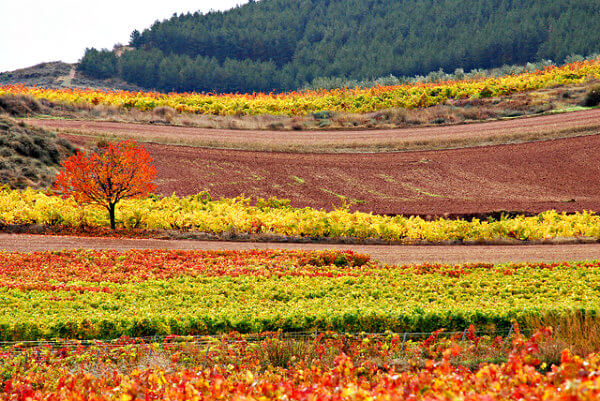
276	45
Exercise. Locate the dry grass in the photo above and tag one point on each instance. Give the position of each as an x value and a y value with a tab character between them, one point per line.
577	331
170	117
20	106
284	353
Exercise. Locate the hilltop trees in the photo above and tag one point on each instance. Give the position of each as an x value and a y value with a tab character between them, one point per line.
283	44
99	63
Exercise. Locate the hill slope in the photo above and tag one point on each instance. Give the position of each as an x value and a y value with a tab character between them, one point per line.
60	75
29	156
283	44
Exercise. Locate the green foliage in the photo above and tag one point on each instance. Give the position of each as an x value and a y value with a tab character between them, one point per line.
99	64
368	298
284	44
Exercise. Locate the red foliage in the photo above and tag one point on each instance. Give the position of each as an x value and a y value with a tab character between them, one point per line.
333	368
116	172
42	271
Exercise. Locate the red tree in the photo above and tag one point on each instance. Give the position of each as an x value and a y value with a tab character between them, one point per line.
115	172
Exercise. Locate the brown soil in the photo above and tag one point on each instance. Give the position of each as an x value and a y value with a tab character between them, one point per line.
385	254
530	177
549	126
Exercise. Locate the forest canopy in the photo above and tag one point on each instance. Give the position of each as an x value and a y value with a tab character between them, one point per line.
278	45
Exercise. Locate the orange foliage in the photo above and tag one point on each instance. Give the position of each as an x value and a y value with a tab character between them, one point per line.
349	100
116	172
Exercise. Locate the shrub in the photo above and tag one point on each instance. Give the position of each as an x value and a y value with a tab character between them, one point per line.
592	98
276	126
322	115
166	113
26	147
102	143
29	172
283	353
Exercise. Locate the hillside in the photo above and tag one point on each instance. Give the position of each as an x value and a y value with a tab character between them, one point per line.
59	75
29	157
285	44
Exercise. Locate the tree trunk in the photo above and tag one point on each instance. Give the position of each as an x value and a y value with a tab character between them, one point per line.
111	213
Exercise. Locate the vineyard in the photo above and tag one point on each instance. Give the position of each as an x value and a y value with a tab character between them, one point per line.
306	201
296	324
327	367
238	216
107	294
356	100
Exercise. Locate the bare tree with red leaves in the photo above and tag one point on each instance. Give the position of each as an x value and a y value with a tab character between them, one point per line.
114	172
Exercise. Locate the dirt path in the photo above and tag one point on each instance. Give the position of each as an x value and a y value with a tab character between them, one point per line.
66	80
385	254
522	129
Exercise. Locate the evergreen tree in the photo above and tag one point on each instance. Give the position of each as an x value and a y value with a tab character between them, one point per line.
284	44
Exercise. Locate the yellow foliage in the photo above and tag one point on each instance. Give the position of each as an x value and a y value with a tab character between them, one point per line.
355	100
238	216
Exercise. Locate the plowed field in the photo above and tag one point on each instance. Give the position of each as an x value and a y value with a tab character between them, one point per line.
531	177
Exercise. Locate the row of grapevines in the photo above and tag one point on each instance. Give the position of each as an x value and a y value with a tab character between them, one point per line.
200	213
345	368
85	294
357	100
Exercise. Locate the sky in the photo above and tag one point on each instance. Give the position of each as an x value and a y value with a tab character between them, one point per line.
35	31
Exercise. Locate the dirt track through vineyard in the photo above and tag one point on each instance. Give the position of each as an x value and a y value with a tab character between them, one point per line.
347	141
404	254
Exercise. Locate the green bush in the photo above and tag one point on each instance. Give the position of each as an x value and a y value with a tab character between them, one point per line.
323	115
